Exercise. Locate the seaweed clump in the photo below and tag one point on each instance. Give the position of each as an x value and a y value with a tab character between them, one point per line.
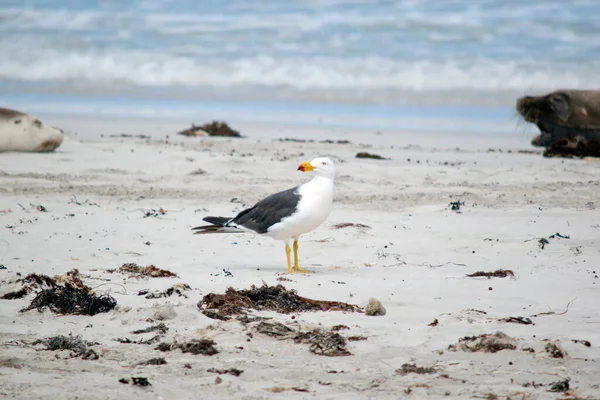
406	369
194	346
77	346
321	342
486	343
554	350
67	294
499	273
71	300
135	380
32	282
149	271
214	128
271	298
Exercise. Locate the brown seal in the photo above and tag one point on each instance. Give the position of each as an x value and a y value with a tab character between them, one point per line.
569	121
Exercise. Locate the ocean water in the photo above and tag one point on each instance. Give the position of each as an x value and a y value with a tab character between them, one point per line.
309	58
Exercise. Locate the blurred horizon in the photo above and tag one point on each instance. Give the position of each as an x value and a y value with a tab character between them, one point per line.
401	53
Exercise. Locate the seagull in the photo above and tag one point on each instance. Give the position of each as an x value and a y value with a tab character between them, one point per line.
285	215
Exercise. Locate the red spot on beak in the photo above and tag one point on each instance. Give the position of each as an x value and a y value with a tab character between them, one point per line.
301	167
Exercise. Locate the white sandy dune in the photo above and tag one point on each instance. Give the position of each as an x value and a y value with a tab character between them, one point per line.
413	256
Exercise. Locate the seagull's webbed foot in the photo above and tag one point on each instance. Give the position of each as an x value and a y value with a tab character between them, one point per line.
298	270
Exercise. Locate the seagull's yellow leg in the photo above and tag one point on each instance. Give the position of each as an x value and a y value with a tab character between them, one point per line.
289	261
296	267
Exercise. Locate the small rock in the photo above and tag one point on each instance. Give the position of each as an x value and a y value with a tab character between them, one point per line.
164	313
374	307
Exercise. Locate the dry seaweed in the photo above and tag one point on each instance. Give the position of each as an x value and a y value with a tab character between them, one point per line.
560	386
77	346
152	340
349	224
135	380
39	207
532	384
199	346
215	315
554	350
555	313
272	298
490	396
337	328
154	361
154	213
275	329
138	272
356	338
586	343
17	294
295	140
455	205
215	128
162	328
86	202
165	347
499	273
279	389
518	320
487	343
34	281
129	135
178	288
406	369
435	322
321	342
370	155
194	346
230	371
329	141
542	242
246	319
39	280
71	300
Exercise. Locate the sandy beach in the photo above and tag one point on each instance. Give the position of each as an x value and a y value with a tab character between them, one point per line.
108	201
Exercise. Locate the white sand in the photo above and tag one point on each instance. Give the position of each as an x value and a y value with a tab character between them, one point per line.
414	259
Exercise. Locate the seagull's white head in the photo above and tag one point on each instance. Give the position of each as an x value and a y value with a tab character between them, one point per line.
321	166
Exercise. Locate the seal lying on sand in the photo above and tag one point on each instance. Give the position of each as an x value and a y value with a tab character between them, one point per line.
23	132
569	121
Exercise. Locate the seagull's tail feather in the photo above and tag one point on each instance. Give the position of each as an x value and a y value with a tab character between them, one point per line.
218	225
199	230
217	220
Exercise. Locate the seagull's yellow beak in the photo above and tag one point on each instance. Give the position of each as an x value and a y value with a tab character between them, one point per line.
305	167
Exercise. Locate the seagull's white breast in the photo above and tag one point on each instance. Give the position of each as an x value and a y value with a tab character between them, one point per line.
312	210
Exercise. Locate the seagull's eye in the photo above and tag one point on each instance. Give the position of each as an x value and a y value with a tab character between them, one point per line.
324	163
